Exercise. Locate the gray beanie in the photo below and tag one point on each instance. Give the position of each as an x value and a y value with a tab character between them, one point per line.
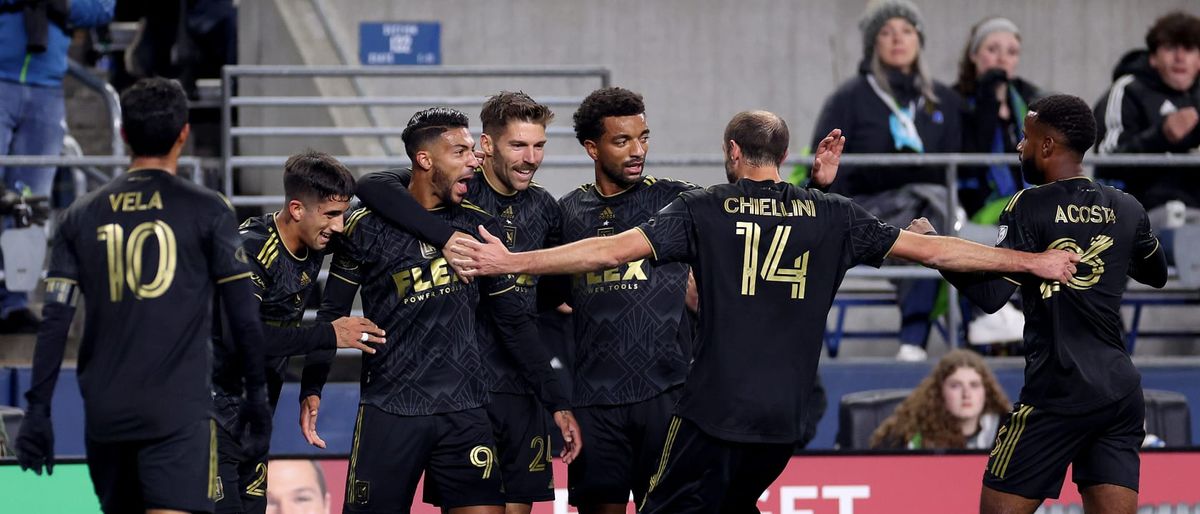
879	12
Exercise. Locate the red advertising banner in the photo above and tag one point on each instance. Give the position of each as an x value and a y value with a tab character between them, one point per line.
863	484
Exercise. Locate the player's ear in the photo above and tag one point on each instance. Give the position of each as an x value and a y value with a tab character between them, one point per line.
295	209
1048	143
183	135
590	147
735	151
423	161
486	144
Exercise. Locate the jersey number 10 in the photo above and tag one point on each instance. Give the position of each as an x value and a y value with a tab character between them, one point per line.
125	259
770	270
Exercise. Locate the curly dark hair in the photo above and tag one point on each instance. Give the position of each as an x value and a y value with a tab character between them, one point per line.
604	103
1070	116
1176	28
924	411
426	125
510	106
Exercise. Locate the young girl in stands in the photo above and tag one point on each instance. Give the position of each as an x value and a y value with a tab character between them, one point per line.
959	405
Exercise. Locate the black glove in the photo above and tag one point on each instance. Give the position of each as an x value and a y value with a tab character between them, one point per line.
990	79
35	444
254	421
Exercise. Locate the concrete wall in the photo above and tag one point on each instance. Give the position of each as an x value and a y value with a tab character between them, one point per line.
699	61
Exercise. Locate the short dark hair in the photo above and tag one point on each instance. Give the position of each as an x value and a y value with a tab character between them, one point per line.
604	103
762	136
1176	28
427	125
508	106
1071	117
153	113
316	176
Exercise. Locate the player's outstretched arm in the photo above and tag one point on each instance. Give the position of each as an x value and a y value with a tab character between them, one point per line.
596	253
335	306
386	193
953	254
986	290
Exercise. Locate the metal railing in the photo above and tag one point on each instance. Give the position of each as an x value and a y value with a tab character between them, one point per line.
231	74
115	162
112	101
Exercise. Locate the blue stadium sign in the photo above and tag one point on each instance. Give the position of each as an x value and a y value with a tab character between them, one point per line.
400	42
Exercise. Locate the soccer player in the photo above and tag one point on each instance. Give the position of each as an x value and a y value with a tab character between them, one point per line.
423	394
148	250
1082	399
768	258
513	143
286	249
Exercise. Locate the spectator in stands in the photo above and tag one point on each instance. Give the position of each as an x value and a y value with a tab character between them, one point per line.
297	487
892	106
995	101
33	59
1152	108
959	405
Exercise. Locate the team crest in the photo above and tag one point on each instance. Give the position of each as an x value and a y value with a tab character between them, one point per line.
1003	234
510	236
605	231
428	251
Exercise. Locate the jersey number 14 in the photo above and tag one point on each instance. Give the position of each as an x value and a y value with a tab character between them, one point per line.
125	259
770	270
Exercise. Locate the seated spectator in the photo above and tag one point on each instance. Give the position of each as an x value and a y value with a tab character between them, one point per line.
959	405
1152	108
892	106
33	60
995	103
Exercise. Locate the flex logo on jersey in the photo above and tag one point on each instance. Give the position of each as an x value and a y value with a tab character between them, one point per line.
623	277
421	280
1091	257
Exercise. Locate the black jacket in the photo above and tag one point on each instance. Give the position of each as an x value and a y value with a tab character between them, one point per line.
980	118
863	118
1129	119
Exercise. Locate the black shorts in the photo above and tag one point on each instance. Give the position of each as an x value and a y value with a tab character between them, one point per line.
1033	448
622	448
176	472
700	473
455	451
242	484
521	427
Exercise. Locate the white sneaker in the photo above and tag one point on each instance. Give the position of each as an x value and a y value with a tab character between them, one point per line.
1006	325
911	353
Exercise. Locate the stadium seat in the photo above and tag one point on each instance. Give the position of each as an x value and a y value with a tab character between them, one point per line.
859	414
1168	417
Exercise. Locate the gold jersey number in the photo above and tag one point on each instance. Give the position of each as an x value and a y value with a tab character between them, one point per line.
125	259
770	269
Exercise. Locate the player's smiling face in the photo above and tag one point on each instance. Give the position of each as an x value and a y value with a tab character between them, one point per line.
321	220
515	154
963	394
621	150
453	162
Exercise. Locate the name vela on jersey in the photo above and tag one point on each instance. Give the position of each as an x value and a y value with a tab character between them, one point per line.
1084	214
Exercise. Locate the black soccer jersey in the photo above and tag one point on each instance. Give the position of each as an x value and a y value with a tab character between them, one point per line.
768	258
146	250
431	363
1074	339
282	284
630	342
529	220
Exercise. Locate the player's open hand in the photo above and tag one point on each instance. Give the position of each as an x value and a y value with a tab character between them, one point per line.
355	332
827	158
35	442
475	259
1057	265
572	436
308	421
466	279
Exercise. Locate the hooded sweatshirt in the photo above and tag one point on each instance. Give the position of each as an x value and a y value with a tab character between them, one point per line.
1130	118
864	120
